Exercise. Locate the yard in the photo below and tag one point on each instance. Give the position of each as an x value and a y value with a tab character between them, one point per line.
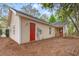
50	47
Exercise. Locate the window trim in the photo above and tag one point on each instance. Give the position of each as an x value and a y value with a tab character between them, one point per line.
13	29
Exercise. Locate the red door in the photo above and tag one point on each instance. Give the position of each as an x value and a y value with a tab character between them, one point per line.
32	31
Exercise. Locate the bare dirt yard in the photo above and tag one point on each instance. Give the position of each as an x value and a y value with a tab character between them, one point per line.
48	47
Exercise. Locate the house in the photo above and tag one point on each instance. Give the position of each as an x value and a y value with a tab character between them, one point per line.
3	26
26	28
58	28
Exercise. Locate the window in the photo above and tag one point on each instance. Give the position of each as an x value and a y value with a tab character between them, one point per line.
39	31
13	29
49	30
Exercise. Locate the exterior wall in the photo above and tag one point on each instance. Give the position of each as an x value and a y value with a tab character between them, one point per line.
65	31
15	28
21	31
57	34
25	30
45	31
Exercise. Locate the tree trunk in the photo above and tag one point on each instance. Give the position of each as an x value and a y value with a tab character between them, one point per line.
74	24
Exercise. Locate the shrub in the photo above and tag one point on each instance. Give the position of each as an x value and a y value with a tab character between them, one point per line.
7	32
0	32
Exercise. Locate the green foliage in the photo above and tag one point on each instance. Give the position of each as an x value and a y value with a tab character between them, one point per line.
47	5
67	11
71	29
52	19
0	32
7	32
2	18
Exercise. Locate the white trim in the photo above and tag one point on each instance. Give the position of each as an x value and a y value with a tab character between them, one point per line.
20	39
13	11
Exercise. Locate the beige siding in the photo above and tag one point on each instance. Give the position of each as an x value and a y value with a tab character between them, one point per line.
65	31
22	30
25	30
57	34
45	31
15	33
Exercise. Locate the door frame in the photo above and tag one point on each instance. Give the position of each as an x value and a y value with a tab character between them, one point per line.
58	33
32	31
61	33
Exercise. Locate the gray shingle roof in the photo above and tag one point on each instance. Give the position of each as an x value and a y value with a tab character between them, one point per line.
58	24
